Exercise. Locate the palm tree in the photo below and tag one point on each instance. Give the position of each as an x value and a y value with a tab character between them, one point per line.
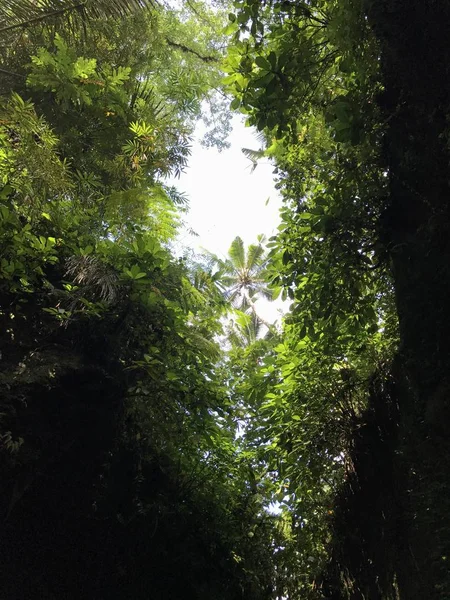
241	276
245	329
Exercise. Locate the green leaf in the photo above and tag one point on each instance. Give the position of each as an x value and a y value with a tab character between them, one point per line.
263	63
235	104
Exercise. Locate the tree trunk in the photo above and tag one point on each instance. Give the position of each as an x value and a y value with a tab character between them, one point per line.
415	59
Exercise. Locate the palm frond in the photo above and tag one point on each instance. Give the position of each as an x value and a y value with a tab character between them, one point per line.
233	296
212	262
143	90
261	239
266	293
244	329
95	276
255	257
253	156
237	253
203	345
22	14
243	319
228	281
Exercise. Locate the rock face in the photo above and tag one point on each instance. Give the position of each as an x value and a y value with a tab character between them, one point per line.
61	414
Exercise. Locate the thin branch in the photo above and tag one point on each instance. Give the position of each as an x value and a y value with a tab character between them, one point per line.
207	59
323	23
11	73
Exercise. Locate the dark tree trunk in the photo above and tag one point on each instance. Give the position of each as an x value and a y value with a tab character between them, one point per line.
414	38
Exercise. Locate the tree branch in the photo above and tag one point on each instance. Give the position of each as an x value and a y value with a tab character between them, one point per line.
11	73
183	48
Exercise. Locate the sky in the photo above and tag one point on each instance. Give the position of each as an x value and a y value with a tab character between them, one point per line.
228	199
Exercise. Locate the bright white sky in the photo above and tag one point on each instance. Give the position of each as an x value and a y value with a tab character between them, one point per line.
226	198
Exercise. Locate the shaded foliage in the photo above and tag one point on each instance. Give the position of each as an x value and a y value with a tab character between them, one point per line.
119	471
348	96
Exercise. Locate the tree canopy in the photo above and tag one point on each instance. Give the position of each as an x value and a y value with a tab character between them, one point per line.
158	438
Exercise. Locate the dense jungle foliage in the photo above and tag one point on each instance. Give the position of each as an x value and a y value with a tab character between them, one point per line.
158	438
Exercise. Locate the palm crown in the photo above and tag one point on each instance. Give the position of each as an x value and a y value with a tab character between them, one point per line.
241	276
